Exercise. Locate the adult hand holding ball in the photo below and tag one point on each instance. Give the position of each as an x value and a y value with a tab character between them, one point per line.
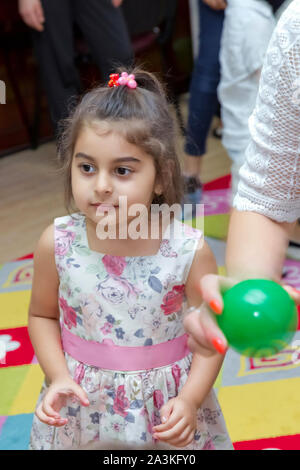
259	318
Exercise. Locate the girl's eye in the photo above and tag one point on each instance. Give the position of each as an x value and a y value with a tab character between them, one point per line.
86	167
121	171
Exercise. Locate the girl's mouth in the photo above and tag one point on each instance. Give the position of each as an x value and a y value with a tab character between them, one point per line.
104	206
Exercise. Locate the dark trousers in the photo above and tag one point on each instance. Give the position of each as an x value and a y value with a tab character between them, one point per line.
203	103
105	31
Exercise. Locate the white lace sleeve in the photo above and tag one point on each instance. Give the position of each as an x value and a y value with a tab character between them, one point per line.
270	178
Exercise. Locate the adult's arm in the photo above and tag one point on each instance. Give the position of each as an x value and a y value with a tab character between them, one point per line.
256	246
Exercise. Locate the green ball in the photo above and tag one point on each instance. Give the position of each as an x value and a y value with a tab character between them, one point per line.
259	318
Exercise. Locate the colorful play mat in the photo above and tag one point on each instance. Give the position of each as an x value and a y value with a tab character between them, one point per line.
259	397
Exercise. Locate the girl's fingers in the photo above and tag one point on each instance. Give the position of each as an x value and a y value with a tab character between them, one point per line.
173	419
60	422
172	433
41	415
166	411
183	442
48	409
81	396
182	438
74	393
78	394
188	440
55	400
44	417
50	420
165	426
168	425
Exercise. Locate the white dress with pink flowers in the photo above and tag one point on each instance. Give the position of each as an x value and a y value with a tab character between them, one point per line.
122	303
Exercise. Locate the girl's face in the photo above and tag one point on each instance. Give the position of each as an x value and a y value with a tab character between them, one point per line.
105	167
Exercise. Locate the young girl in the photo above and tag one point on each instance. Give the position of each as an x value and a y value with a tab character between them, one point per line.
106	315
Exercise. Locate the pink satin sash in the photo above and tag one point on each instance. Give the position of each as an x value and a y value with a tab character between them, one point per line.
107	355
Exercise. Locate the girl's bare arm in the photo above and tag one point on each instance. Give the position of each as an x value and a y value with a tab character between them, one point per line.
43	322
204	369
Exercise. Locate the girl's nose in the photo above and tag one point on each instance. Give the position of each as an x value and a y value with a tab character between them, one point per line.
104	184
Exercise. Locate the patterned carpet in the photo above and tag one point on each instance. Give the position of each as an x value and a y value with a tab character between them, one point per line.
259	397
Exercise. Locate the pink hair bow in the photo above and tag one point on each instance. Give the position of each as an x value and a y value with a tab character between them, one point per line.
125	79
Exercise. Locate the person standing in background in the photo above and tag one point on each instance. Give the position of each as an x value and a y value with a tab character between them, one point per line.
104	28
203	101
247	30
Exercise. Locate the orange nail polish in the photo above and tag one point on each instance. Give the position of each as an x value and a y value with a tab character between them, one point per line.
216	306
219	345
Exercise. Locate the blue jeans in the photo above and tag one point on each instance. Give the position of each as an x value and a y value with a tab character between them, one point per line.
203	102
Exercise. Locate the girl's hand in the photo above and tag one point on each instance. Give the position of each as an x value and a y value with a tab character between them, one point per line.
216	4
179	418
55	399
32	13
205	337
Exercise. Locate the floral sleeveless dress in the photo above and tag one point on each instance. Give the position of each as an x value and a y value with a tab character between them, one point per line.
130	301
